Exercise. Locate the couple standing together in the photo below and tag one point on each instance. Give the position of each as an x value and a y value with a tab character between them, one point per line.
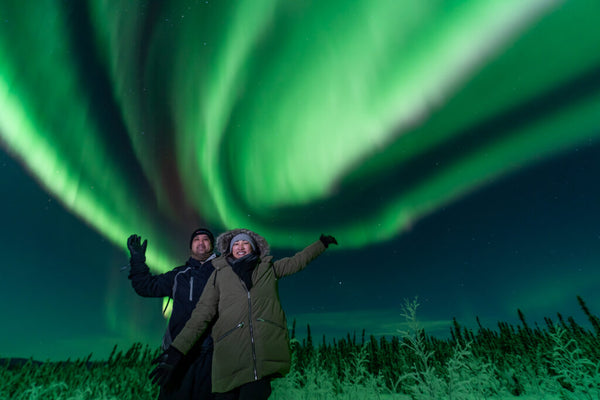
227	337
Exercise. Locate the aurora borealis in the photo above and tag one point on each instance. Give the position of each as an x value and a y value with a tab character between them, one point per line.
291	118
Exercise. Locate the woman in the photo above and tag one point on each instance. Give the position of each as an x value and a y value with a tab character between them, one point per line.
250	334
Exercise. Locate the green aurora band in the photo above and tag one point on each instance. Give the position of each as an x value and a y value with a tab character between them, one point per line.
152	117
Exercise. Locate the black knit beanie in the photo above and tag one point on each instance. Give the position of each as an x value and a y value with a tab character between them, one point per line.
203	231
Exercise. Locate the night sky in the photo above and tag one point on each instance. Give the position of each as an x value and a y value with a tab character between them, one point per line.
452	149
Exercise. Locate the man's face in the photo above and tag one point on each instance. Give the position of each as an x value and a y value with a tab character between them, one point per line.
240	249
201	246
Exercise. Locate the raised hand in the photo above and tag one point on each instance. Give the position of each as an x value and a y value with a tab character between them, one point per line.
137	249
327	240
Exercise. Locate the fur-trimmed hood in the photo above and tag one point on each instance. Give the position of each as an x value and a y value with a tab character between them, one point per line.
224	240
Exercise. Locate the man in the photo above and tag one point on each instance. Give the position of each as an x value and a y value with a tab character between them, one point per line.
251	336
183	285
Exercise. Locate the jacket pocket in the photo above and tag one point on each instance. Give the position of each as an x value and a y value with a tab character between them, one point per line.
270	323
229	332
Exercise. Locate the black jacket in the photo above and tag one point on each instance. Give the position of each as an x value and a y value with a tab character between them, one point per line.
183	284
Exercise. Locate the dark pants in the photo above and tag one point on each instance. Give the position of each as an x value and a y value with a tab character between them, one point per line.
195	384
257	390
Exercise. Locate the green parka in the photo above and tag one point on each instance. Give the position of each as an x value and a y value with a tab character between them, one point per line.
250	331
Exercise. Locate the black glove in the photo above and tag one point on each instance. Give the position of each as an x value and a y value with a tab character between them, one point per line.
166	363
136	248
327	240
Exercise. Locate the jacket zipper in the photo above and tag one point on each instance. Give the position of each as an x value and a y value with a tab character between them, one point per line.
270	322
191	287
252	334
229	332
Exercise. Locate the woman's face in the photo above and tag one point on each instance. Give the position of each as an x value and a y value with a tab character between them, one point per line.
240	249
